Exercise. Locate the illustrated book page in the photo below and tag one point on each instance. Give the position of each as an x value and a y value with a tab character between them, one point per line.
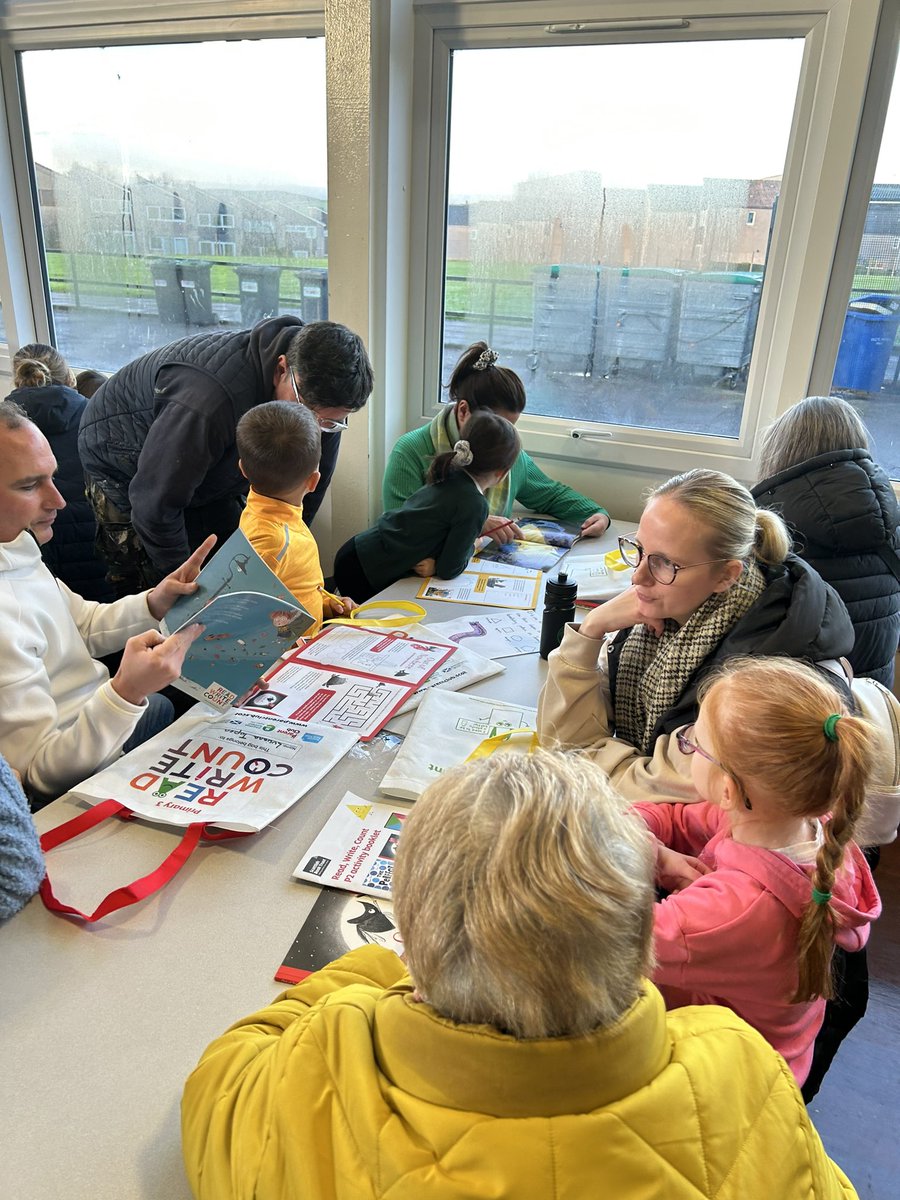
249	617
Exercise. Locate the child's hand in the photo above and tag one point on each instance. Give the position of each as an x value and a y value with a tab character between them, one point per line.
343	606
501	529
425	568
675	871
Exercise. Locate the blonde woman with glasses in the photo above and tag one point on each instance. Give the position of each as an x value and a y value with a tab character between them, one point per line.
713	578
521	1050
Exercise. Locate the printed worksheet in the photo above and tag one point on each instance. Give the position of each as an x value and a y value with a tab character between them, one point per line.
498	589
354	679
494	635
397	655
306	693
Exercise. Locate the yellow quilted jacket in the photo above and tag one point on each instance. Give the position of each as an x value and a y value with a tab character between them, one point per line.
345	1088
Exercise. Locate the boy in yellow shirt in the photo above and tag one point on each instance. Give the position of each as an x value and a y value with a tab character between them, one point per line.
279	444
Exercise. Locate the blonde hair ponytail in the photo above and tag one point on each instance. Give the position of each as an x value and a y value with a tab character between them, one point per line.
772	543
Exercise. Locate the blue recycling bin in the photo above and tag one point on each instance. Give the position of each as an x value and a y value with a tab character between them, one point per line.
870	331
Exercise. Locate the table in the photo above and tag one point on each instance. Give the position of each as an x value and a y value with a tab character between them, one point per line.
100	1025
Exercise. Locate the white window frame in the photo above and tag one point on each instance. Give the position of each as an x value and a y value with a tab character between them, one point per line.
831	95
62	24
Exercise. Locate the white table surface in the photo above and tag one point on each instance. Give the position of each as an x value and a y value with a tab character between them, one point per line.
101	1024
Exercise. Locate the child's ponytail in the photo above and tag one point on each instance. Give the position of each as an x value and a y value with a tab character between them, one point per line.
487	444
851	746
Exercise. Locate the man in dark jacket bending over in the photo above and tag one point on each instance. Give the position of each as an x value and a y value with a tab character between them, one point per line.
157	440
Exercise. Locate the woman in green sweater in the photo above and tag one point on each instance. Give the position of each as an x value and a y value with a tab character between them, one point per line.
477	384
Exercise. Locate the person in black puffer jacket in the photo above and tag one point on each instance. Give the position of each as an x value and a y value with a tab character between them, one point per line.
44	390
157	441
841	510
839	505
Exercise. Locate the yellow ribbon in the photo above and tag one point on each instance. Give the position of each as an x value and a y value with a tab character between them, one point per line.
489	745
415	613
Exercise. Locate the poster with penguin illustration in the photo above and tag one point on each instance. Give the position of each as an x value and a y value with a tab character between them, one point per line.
338	922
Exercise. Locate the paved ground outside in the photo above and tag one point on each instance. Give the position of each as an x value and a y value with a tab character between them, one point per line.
687	399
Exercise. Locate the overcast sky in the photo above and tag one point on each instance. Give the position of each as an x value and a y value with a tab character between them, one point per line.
253	113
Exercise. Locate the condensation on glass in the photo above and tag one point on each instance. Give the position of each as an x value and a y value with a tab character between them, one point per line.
174	195
867	370
608	224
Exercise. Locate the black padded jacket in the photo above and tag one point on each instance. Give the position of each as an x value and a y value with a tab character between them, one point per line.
70	554
159	436
844	518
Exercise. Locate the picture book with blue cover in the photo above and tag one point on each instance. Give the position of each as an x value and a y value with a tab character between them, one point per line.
249	617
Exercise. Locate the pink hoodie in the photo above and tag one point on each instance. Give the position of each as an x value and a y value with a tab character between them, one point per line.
730	937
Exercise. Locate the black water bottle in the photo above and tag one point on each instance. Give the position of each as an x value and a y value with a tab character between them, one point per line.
559	607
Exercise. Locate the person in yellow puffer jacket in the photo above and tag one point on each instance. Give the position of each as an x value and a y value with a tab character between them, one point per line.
521	1052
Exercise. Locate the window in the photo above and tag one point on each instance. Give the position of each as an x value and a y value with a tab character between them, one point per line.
867	369
125	191
606	256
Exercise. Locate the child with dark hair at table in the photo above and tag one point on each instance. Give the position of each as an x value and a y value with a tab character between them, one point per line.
439	523
279	444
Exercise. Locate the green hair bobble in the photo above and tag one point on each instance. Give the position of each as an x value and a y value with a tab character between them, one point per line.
829	725
820	897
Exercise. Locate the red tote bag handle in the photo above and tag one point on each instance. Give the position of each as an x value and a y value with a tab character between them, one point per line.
131	893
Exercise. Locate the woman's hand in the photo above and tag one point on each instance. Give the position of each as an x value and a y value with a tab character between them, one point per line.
675	871
595	525
150	662
501	529
621	612
425	568
180	583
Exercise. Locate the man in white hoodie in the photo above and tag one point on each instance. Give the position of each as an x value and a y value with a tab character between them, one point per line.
61	716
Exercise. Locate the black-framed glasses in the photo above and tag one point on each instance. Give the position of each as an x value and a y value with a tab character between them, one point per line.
661	568
326	424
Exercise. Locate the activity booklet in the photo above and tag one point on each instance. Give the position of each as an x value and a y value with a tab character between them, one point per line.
353	678
249	617
498	588
446	729
542	544
338	922
535	556
355	849
495	635
238	771
463	668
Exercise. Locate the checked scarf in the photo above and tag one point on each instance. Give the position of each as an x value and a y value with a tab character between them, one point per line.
654	671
